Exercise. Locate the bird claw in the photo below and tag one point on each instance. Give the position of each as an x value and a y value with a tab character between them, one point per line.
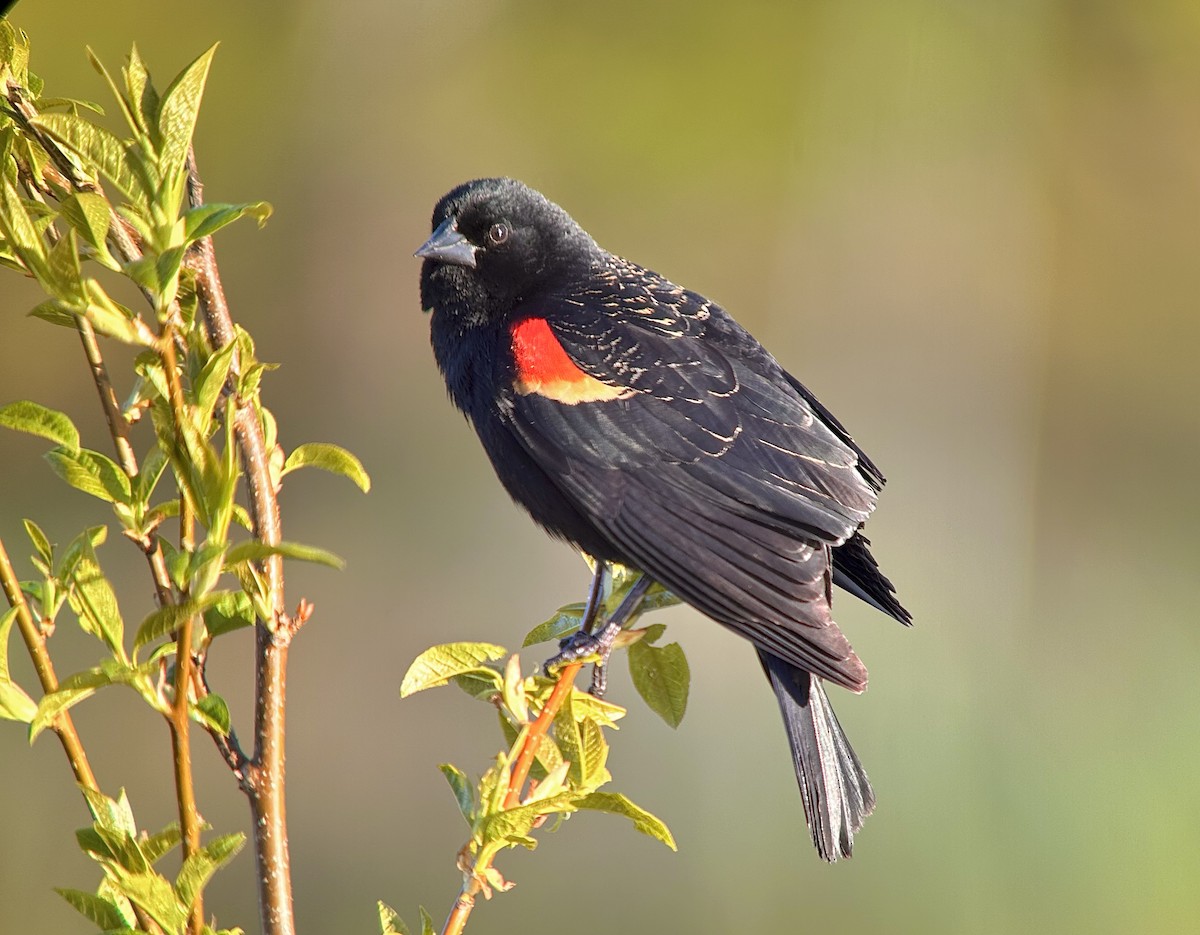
580	646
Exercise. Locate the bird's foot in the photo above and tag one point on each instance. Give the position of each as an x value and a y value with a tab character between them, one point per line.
583	645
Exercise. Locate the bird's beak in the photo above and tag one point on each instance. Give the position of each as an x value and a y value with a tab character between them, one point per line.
447	245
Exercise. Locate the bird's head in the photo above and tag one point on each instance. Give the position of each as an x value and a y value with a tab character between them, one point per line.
496	242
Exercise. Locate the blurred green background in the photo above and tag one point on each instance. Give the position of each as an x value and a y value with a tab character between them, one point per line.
972	228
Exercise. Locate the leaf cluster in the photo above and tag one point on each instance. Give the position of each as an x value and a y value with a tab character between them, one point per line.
84	209
189	388
131	882
570	758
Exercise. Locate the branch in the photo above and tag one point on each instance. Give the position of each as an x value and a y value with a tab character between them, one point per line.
181	749
179	718
264	773
63	726
64	174
472	885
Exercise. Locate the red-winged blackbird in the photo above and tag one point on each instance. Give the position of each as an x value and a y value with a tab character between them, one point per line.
638	421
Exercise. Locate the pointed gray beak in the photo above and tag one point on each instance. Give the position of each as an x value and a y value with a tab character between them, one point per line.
447	245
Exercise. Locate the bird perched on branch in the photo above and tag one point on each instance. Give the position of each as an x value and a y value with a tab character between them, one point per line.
639	422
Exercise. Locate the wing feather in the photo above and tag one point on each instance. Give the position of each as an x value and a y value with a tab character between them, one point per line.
716	475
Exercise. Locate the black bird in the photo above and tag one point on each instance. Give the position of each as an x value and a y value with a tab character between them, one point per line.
639	422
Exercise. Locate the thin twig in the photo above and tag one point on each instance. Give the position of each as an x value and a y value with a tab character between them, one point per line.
472	884
228	746
63	726
537	730
181	749
179	718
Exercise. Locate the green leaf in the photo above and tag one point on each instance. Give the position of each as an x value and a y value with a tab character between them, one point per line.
109	890
330	458
142	96
64	277
464	791
40	542
594	750
93	845
618	804
158	274
91	472
662	676
232	610
138	218
36	419
94	601
205	568
89	538
177	113
209	383
427	926
565	620
114	320
154	894
549	756
198	869
254	550
101	151
19	231
111	815
513	691
213	712
155	846
483	684
205	220
14	51
81	685
169	618
511	826
390	922
15	704
55	312
566	735
55	703
438	664
71	104
148	477
493	785
605	713
99	911
90	215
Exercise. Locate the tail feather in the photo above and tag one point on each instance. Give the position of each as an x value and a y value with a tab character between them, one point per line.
855	569
836	792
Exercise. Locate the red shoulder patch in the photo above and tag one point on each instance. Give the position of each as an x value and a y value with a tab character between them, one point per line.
545	368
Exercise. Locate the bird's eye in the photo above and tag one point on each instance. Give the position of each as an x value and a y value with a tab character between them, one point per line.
497	234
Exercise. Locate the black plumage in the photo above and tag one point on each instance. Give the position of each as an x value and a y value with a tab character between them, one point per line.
638	421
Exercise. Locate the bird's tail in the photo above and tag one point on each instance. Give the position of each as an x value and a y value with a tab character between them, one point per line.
836	792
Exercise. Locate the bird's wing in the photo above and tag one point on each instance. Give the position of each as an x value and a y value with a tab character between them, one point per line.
704	466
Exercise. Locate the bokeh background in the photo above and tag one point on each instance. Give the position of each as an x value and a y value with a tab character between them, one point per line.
972	228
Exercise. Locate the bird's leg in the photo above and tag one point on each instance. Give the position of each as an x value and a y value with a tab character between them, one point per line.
592	607
600	644
599	686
